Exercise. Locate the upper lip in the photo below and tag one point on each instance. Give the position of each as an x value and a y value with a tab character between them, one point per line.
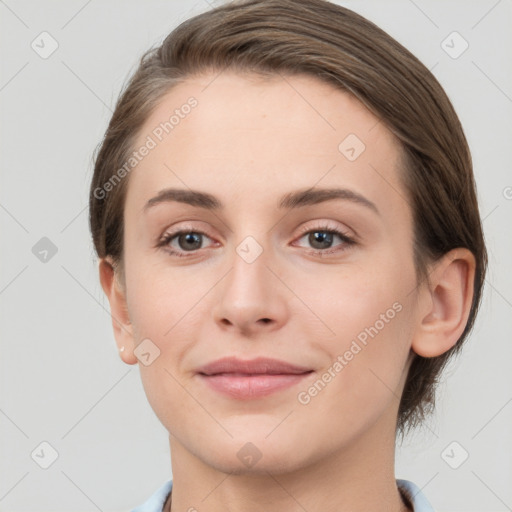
260	365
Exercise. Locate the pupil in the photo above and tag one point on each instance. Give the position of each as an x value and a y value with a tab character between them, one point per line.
192	238
320	237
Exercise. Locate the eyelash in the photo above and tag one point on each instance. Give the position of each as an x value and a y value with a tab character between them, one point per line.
348	241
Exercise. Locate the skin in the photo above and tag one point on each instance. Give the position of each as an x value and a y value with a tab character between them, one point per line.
249	142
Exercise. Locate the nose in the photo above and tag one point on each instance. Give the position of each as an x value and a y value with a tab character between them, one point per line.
251	298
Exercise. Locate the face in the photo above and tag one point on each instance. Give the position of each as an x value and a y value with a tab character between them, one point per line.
320	281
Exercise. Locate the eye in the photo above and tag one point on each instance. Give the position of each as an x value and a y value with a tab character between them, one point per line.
187	240
322	237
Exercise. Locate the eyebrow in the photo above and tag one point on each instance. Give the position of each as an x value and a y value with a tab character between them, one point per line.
296	199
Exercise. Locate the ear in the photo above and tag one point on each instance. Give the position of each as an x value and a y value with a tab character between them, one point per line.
121	324
445	303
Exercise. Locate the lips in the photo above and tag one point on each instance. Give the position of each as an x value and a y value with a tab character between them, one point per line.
246	379
261	365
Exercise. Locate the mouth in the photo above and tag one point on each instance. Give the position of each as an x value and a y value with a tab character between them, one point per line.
254	378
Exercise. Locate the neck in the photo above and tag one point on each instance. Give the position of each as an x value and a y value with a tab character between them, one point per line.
359	477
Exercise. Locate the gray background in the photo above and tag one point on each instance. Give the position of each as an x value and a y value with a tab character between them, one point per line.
62	380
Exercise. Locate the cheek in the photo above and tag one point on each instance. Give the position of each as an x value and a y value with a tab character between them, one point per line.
368	312
159	298
362	376
353	300
162	310
168	307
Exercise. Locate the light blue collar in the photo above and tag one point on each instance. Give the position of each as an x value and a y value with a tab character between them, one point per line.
413	493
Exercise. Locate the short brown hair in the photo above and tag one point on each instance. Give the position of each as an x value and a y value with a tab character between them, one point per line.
342	48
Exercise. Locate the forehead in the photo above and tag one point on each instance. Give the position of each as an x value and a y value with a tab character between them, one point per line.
242	134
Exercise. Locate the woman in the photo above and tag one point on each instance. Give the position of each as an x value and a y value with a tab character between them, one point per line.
324	182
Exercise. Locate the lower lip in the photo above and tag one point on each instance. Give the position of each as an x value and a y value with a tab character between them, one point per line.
251	386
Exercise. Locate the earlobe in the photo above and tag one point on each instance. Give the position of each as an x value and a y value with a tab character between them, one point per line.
448	300
121	324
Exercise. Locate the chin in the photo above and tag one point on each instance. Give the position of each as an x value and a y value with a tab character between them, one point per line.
253	453
275	464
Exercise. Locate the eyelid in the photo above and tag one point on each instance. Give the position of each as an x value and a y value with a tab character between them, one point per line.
168	235
348	240
184	227
328	225
304	229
